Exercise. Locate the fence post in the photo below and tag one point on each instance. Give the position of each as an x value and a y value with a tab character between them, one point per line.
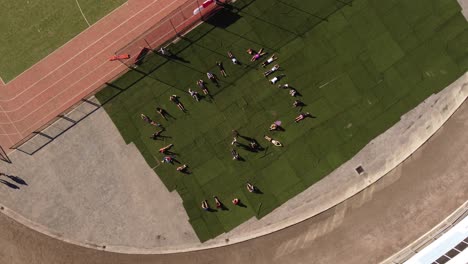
149	46
170	21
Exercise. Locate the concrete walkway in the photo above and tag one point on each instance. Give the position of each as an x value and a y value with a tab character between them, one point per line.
89	187
367	228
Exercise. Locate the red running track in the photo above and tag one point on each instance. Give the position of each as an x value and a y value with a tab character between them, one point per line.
74	70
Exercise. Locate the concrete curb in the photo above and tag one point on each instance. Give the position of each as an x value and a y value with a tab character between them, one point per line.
378	157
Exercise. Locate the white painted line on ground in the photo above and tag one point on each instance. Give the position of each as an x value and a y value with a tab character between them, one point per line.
327	83
7	135
82	14
11	122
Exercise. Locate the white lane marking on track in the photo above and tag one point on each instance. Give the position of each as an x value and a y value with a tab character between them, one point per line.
11	122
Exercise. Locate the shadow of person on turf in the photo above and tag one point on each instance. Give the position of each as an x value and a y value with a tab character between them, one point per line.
202	97
166	53
160	137
257	190
185	170
178	58
241	159
173	154
222	206
297	94
300	105
279	128
169	115
240	204
257	145
248	148
174	159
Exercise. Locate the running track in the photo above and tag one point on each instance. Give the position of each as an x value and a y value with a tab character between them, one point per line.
74	70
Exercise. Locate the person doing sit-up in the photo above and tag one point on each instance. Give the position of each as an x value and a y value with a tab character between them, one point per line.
273	69
233	58
270	60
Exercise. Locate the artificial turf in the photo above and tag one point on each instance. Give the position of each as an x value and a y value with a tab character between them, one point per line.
358	65
32	29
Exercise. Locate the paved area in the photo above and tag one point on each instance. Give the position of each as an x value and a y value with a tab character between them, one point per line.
95	189
376	223
464	5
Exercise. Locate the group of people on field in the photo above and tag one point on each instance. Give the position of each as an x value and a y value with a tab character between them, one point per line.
169	156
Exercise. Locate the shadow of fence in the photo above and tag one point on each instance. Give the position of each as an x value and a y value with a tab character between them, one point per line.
63	123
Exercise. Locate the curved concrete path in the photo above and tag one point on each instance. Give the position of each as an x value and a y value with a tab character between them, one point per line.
367	228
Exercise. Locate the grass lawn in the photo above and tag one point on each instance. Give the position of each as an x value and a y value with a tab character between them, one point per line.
358	68
32	29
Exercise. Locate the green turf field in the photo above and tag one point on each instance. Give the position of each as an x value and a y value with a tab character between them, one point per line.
358	66
32	29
